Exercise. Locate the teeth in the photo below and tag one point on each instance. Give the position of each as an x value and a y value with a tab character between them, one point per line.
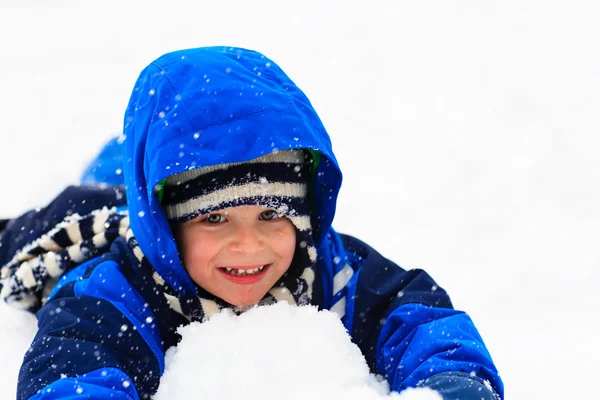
244	272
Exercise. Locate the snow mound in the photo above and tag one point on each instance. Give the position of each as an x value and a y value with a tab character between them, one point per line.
278	351
17	330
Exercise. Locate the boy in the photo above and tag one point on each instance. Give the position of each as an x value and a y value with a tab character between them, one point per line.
231	185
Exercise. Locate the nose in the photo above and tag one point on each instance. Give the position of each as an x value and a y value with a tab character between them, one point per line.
246	239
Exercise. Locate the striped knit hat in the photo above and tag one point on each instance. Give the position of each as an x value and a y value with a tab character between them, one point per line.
277	181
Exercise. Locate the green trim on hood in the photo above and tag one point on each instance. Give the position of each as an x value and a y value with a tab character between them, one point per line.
159	190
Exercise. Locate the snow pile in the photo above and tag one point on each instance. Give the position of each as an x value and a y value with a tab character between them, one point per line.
278	351
269	352
17	329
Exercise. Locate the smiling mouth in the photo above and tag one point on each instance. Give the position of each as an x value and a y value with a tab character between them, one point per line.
245	275
244	271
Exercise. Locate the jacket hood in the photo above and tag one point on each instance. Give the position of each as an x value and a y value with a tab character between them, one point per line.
214	105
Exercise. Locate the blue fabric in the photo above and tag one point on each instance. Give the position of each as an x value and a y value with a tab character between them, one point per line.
105	282
72	276
107	166
418	341
105	383
206	106
405	325
107	314
3	223
460	386
78	335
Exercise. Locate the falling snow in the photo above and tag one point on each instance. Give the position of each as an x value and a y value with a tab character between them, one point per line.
467	138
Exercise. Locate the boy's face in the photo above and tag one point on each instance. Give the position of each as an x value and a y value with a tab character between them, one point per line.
237	253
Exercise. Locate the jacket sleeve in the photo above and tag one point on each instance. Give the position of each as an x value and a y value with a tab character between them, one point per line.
409	332
3	223
97	337
439	348
17	232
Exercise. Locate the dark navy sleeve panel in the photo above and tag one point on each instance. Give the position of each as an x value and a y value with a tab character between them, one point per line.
140	277
405	325
78	335
382	279
381	286
460	386
3	223
123	262
105	282
102	384
331	259
418	341
80	200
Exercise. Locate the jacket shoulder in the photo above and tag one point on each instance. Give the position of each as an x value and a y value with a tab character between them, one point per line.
17	232
119	278
370	287
109	303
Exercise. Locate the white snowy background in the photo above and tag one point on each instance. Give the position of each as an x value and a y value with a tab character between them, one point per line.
467	132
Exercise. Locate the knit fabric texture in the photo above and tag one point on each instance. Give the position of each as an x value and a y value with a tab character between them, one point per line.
277	181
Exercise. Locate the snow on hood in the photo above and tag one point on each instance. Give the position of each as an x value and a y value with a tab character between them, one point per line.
213	105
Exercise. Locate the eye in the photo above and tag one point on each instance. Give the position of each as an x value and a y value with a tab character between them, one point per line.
214	219
268	215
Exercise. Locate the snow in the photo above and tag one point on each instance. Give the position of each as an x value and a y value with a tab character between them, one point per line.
16	332
272	352
467	133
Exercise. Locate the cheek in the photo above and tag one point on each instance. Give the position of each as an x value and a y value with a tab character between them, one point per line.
194	256
287	241
196	252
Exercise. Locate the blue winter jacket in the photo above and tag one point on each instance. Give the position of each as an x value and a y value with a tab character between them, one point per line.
105	328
